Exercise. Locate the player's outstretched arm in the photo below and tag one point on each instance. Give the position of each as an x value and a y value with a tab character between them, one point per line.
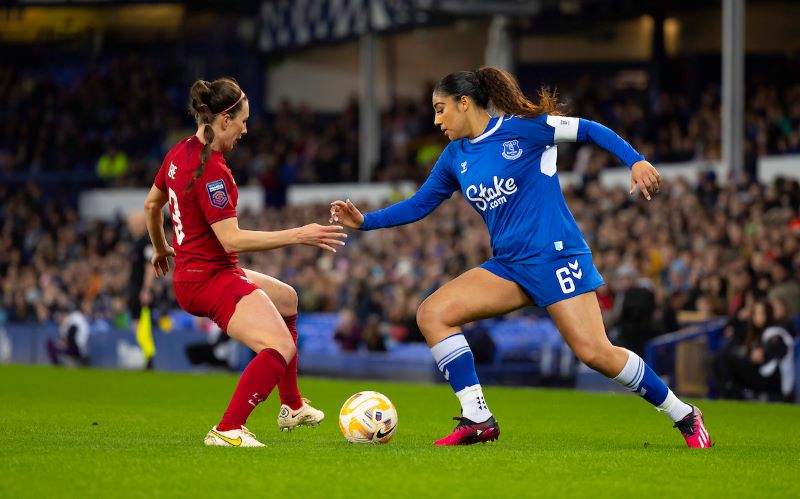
643	174
346	213
236	240
646	177
154	216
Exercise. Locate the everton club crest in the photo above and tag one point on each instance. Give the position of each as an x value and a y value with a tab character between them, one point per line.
511	149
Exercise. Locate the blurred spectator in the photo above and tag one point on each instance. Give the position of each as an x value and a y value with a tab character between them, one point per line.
113	163
762	364
783	287
782	316
636	309
348	332
72	344
372	335
481	343
216	352
676	301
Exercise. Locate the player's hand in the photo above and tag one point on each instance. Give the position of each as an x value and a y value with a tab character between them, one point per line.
160	260
346	213
321	236
646	177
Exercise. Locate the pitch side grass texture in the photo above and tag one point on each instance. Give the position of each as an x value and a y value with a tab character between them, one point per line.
93	433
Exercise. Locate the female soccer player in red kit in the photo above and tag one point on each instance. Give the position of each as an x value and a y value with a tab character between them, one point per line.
253	308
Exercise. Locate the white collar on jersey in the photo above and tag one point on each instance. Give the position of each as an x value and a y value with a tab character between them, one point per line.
488	132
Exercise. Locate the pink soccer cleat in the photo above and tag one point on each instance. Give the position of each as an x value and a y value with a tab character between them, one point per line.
468	432
693	430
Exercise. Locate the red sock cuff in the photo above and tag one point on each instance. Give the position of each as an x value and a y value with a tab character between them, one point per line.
291	322
276	354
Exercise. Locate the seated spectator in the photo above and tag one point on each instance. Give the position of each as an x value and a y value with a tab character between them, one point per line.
348	332
372	335
781	314
784	287
763	365
72	344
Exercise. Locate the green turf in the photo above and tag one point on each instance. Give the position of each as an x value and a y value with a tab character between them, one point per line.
93	433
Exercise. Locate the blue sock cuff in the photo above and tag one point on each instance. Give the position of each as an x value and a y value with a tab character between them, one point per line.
637	377
454	359
444	350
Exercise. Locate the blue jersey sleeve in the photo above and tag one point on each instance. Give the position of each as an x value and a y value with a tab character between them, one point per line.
439	186
567	129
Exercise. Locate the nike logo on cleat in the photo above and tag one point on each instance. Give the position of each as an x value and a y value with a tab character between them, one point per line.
236	443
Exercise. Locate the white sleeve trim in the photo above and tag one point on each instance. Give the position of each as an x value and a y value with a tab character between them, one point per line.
566	129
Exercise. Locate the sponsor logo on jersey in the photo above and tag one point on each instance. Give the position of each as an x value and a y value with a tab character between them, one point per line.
493	196
464	167
511	149
217	193
172	170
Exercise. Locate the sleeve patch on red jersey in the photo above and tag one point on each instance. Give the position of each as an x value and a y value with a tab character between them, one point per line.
217	193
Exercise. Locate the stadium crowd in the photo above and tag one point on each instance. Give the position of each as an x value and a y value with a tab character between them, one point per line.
700	249
115	120
690	254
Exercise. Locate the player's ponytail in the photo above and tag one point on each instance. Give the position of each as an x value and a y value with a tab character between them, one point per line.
206	101
508	98
490	86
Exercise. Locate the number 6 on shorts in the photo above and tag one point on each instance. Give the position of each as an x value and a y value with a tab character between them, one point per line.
565	281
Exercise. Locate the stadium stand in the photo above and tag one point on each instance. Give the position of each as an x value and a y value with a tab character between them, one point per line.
701	250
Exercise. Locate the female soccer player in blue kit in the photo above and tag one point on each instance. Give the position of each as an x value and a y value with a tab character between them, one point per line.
505	166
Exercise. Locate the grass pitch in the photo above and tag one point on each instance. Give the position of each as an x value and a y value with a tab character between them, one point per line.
93	433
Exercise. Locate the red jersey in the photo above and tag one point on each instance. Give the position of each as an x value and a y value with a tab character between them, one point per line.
213	197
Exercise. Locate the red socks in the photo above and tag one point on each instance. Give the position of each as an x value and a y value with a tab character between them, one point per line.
257	381
287	386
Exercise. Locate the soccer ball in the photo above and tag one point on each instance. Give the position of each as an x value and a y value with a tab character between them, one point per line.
368	418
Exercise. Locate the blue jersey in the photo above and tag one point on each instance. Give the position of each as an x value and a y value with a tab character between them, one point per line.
508	175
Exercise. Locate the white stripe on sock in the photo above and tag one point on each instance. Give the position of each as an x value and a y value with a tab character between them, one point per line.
634	368
447	346
452	355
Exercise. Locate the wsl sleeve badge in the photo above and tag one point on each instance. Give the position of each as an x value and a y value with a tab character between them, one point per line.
217	193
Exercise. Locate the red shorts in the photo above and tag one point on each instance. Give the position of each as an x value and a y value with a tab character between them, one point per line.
216	297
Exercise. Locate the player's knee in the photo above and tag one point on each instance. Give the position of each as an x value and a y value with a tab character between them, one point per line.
288	348
596	356
284	297
291	301
285	346
428	316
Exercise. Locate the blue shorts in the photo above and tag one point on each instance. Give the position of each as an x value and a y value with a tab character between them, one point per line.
547	283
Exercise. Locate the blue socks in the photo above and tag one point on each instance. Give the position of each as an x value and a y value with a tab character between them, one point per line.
637	377
455	361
